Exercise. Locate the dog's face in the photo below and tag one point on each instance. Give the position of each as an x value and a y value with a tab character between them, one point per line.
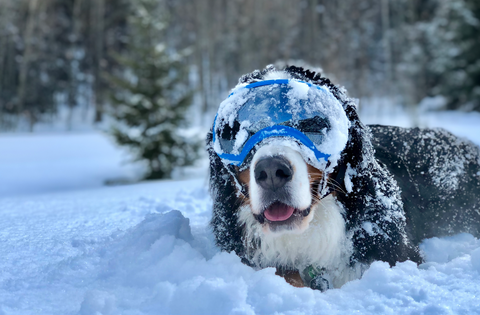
275	126
282	189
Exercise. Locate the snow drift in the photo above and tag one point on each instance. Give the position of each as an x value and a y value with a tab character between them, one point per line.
112	254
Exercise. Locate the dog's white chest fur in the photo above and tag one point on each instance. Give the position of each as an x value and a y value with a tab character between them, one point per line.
323	244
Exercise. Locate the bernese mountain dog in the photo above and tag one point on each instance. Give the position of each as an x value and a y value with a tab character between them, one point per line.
300	184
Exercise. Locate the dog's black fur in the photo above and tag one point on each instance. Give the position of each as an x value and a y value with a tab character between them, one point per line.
430	179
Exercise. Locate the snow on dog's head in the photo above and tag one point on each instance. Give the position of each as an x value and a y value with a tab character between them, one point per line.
281	106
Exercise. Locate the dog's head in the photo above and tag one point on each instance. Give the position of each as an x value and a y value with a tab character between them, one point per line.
279	135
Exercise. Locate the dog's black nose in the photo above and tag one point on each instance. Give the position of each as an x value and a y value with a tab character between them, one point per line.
273	172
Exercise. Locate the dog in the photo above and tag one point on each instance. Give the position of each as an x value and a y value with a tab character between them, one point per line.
300	184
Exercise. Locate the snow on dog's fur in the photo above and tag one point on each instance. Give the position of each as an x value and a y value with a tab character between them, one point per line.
391	188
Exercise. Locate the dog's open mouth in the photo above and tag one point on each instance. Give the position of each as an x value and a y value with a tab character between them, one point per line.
280	214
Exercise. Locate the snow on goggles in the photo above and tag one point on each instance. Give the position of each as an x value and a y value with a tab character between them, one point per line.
306	113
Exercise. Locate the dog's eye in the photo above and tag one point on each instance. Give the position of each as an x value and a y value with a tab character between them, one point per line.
229	133
313	125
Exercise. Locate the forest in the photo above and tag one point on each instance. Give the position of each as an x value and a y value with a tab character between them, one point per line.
63	53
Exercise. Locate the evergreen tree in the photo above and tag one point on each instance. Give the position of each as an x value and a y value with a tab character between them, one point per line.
151	96
454	38
461	80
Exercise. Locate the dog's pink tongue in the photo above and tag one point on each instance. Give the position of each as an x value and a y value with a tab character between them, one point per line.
278	212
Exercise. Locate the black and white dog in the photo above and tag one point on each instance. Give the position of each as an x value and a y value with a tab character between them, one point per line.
300	184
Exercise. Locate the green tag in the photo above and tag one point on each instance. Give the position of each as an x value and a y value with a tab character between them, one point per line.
311	273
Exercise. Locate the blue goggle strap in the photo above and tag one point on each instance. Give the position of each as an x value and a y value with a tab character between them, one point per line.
276	81
268	132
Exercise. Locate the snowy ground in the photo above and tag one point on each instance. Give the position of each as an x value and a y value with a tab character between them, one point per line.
39	163
126	250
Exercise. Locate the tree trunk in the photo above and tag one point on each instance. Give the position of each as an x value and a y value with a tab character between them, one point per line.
386	44
3	53
74	63
27	57
98	19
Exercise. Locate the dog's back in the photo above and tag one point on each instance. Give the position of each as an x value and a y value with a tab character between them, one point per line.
439	178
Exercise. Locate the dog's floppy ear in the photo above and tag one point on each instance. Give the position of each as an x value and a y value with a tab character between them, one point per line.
228	234
374	208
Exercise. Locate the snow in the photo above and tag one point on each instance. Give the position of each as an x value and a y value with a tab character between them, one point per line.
298	91
79	160
348	178
49	162
74	247
242	137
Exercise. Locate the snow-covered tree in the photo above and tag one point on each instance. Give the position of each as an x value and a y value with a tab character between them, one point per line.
457	50
442	49
151	96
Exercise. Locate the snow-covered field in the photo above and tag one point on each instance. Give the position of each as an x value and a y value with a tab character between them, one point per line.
68	245
39	163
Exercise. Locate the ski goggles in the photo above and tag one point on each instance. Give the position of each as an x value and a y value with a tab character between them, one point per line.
281	108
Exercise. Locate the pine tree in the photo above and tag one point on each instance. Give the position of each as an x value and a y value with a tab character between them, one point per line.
455	47
150	97
461	84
